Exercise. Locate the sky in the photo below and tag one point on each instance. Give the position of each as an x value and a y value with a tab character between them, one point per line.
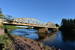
44	10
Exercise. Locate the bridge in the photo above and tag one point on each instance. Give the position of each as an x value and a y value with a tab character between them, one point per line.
30	22
24	21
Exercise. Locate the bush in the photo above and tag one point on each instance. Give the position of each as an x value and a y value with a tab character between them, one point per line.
4	39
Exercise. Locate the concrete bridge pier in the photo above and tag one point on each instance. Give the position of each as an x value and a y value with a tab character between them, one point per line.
42	31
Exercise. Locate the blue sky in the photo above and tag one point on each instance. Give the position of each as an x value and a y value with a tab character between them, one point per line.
44	10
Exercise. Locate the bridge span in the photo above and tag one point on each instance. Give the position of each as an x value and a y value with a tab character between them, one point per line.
30	22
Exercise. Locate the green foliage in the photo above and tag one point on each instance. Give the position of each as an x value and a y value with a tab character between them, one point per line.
4	39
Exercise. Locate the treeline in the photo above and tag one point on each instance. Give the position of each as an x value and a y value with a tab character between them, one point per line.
68	29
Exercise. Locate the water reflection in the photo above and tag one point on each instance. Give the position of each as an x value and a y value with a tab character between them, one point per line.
59	43
28	33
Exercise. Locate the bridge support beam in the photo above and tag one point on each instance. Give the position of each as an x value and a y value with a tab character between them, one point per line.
42	32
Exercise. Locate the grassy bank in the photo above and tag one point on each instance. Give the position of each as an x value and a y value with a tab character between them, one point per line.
4	39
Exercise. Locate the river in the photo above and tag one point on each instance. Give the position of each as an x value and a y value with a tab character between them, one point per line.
56	41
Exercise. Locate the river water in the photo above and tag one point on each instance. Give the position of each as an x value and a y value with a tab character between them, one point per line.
56	41
28	33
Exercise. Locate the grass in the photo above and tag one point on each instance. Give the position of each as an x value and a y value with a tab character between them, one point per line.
4	39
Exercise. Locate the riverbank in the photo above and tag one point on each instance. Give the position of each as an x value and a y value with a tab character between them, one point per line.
21	42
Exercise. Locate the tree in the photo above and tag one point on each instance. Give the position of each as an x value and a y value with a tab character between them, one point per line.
68	29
